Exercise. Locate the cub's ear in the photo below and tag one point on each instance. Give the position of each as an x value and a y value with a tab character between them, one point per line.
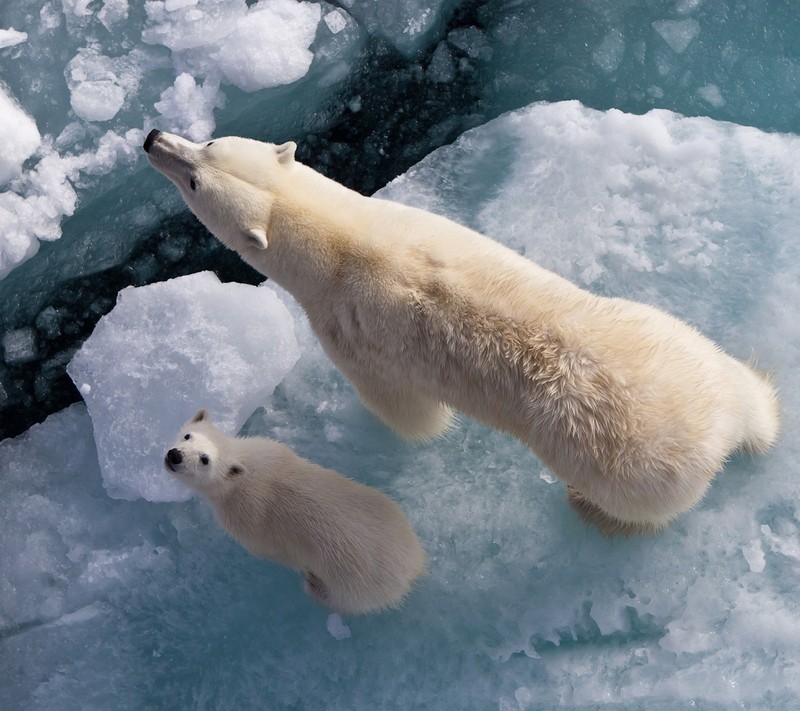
235	470
257	237
285	152
201	416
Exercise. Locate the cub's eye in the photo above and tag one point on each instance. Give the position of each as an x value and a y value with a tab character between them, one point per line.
210	143
188	436
192	184
204	458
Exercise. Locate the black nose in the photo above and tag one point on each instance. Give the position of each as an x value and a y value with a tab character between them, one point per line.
174	456
150	138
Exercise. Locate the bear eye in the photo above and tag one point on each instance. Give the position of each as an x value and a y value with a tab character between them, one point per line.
192	184
204	458
188	436
210	143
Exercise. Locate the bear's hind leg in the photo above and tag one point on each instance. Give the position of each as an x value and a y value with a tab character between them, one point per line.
607	524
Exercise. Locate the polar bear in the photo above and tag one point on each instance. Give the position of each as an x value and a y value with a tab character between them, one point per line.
635	410
355	546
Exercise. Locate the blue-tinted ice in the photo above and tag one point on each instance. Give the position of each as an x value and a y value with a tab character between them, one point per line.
107	603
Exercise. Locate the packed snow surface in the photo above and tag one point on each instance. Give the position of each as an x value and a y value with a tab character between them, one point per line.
130	604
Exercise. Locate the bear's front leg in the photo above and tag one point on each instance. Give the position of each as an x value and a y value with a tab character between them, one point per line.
410	414
607	524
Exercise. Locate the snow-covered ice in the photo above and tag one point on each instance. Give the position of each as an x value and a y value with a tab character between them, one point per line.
165	351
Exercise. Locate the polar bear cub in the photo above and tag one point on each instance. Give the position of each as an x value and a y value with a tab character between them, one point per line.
633	408
355	546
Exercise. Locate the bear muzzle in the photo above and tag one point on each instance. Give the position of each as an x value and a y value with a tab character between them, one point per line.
173	458
151	137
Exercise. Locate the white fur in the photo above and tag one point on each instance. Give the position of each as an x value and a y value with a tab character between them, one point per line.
354	544
633	408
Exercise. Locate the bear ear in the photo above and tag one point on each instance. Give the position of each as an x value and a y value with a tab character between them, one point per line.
285	152
257	237
201	416
235	470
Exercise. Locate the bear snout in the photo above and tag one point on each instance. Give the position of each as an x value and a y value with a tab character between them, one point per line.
155	133
173	458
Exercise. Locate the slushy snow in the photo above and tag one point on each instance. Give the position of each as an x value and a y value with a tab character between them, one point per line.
525	607
165	351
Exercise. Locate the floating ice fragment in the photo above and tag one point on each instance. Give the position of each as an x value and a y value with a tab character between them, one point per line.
336	21
610	51
338	629
678	34
163	352
19	137
711	94
10	37
19	346
97	100
189	108
113	12
269	45
441	68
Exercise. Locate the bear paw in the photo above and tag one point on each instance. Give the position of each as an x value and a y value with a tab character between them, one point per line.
607	524
316	588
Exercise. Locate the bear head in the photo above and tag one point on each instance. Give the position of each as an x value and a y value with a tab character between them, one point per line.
199	457
228	183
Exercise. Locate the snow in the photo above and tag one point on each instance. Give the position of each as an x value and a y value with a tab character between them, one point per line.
167	350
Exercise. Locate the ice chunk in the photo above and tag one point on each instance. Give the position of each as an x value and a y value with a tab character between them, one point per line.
113	13
19	346
712	94
10	37
337	628
336	21
188	108
184	25
163	352
18	135
97	100
269	45
678	34
609	52
441	68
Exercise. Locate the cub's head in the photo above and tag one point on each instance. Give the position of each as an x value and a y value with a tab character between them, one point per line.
199	457
229	183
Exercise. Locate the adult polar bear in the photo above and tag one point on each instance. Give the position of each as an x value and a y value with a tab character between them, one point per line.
634	409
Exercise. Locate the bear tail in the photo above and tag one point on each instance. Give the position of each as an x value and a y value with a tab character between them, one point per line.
762	417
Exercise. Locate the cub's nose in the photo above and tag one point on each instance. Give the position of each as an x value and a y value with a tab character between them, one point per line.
155	133
174	457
